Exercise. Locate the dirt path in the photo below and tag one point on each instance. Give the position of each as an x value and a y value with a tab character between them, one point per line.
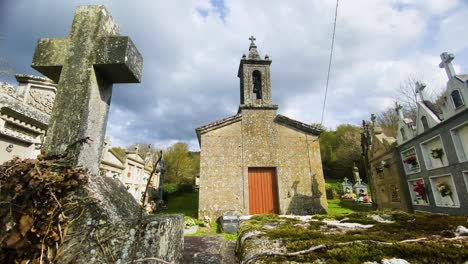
209	250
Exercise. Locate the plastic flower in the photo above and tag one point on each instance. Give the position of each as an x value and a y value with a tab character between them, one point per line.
419	188
443	189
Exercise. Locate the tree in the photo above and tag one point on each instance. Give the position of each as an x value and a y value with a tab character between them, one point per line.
388	121
340	150
181	166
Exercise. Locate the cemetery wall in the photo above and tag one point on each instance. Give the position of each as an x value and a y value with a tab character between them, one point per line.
452	171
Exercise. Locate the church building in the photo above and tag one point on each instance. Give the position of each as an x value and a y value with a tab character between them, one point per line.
258	161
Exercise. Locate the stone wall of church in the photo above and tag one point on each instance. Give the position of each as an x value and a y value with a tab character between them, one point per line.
300	176
258	141
220	172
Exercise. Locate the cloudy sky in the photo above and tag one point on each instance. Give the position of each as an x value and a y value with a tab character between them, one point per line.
191	52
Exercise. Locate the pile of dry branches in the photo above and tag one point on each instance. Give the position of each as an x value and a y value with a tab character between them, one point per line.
36	205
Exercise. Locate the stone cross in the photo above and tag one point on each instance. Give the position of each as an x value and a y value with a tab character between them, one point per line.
252	39
345	180
420	90
447	64
84	66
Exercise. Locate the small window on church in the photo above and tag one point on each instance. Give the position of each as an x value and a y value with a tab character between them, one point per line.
456	98
424	123
403	135
257	85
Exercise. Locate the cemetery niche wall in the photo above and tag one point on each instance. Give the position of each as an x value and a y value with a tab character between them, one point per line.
258	161
432	150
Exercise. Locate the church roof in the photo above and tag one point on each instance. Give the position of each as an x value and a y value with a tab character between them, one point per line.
298	125
462	77
217	124
433	109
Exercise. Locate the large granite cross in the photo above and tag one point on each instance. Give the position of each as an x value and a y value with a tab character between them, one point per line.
447	64
84	66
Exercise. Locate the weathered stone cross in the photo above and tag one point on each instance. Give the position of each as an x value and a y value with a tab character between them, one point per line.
420	90
447	64
85	65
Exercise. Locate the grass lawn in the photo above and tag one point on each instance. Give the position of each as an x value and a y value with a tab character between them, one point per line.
182	203
334	208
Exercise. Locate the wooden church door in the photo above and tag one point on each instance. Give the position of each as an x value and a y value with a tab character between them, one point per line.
263	195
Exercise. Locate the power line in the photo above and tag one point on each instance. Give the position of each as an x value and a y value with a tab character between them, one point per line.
329	63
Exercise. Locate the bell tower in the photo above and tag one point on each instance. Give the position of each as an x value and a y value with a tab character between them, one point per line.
254	75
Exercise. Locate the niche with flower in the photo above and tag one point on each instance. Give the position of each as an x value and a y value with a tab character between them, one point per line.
444	191
433	152
418	194
410	161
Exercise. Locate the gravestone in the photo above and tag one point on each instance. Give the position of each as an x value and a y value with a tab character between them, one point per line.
85	65
358	184
347	186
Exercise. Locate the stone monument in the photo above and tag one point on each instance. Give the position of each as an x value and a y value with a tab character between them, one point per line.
358	184
84	66
347	186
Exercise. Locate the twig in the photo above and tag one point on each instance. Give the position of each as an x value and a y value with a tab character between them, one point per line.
58	203
413	240
149	259
60	231
266	254
37	169
102	247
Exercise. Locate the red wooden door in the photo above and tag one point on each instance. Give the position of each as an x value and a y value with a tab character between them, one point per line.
263	195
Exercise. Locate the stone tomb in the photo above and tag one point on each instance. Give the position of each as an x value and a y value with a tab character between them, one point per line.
84	66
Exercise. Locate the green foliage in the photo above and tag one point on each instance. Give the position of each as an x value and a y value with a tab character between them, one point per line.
333	189
120	152
182	203
170	188
181	166
334	208
339	150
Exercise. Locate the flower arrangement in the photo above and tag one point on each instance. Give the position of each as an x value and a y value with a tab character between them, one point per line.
419	188
411	160
443	189
437	153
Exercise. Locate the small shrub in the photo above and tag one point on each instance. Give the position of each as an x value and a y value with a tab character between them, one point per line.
170	188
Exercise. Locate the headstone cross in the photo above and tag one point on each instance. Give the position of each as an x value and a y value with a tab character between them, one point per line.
420	90
84	66
345	180
447	64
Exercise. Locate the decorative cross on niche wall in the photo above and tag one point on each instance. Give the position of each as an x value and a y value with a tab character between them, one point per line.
447	64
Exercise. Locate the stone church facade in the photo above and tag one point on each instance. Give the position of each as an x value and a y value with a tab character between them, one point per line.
258	161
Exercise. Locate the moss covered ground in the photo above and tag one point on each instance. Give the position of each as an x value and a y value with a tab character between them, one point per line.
436	241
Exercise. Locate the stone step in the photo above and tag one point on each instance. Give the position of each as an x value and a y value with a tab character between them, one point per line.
208	250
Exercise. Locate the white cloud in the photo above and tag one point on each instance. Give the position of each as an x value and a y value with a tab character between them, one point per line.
192	50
